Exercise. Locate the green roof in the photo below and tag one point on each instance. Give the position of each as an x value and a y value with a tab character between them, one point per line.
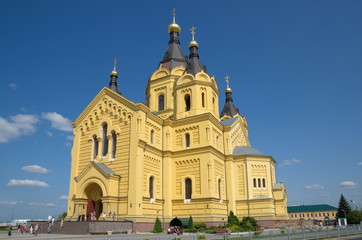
311	208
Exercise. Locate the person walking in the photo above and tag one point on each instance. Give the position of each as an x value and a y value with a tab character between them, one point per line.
62	223
36	229
10	229
49	230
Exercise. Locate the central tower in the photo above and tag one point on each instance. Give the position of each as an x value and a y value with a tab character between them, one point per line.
160	87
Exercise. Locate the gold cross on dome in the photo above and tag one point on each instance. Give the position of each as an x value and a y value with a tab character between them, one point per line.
193	33
227	81
114	63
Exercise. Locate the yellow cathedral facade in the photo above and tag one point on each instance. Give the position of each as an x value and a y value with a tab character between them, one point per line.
175	156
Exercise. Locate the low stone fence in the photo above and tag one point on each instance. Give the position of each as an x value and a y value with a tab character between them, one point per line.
94	227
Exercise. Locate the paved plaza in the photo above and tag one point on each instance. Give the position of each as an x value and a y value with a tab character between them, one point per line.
143	236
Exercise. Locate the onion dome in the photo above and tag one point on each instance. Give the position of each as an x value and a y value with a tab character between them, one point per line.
113	84
229	109
174	27
173	56
194	65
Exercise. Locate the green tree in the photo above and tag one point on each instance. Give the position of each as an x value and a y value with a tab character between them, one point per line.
232	219
355	217
157	228
344	209
61	216
191	223
249	223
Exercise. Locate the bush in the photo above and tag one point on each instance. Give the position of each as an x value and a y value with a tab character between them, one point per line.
232	219
257	233
158	226
198	225
191	223
190	230
209	231
236	228
201	237
249	223
282	231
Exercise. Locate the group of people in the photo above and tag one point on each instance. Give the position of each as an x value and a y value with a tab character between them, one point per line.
93	217
33	229
50	223
110	215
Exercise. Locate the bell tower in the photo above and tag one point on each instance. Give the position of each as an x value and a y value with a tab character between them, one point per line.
196	91
160	87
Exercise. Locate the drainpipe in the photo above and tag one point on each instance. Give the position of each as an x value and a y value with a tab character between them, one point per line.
119	185
247	184
163	179
226	186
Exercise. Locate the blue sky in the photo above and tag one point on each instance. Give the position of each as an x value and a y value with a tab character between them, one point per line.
295	69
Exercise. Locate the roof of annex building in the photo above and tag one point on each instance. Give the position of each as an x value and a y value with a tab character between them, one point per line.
311	208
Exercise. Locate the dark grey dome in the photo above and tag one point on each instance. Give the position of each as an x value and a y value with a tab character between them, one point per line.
244	150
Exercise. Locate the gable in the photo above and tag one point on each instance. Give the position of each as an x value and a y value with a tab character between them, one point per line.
107	102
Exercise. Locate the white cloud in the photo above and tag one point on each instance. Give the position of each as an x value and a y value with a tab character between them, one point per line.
359	163
13	85
26	183
49	133
41	204
58	121
314	187
70	138
288	162
11	202
347	185
63	197
21	124
35	169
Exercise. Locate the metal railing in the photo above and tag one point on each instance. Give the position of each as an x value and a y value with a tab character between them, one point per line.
314	233
299	233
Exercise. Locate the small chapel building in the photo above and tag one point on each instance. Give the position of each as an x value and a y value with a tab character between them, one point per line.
175	156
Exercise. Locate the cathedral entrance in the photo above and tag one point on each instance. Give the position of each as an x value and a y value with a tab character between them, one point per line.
94	194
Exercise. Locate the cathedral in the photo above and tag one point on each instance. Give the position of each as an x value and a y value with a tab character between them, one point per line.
175	156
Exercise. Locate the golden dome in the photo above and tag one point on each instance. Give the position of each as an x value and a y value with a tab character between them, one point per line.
193	43
227	90
174	27
114	73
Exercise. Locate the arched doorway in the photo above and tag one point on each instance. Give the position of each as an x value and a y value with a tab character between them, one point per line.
94	194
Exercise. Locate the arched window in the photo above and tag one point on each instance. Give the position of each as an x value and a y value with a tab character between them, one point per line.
151	182
264	185
152	137
95	146
187	102
161	102
104	140
219	187
188	188
254	182
114	145
259	183
203	99
187	140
